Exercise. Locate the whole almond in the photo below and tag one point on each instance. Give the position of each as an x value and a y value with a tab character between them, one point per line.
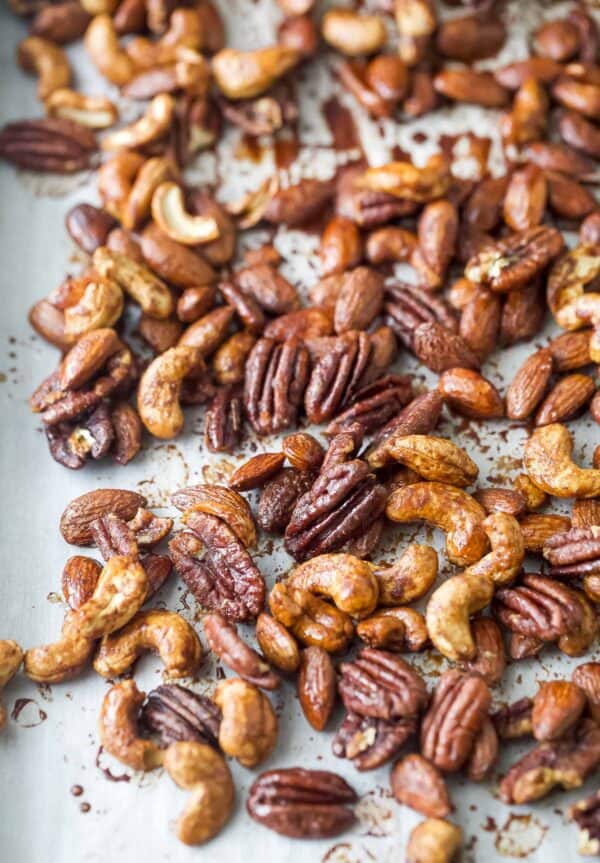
470	394
341	246
541	69
76	520
310	323
255	472
484	206
505	500
390	244
177	264
522	315
439	349
303	451
61	23
558	40
209	331
568	198
480	322
420	785
571	350
475	88
525	201
471	37
566	398
557	706
359	301
268	287
537	528
79	579
437	232
586	513
278	645
529	385
317	686
580	133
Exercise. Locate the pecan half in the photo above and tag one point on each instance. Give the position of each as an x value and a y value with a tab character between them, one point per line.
276	377
176	713
516	260
279	497
370	742
375	405
381	685
574	552
49	144
538	607
407	306
225	419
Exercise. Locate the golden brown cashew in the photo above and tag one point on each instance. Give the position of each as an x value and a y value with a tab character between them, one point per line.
246	74
169	213
196	767
118	728
248	730
449	609
136	207
158	392
162	632
352	33
137	280
395	629
47	61
102	44
409	578
548	463
95	112
434	458
115	181
155	123
185	31
503	562
100	304
447	507
347	580
11	657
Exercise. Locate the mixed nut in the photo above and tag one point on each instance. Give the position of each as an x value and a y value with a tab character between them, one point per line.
488	260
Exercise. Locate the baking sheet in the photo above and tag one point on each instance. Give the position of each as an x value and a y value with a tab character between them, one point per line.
51	746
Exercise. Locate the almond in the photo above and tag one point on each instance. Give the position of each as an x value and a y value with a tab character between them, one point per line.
303	451
565	399
480	322
501	500
525	201
529	385
341	246
420	785
557	706
359	301
467	85
470	394
76	520
255	472
439	349
571	350
537	528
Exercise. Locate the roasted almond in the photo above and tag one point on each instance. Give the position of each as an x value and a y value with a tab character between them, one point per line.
470	394
505	500
439	349
558	40
303	451
529	385
471	37
523	315
537	528
571	350
557	706
467	85
525	201
341	246
255	472
480	322
76	520
420	785
359	301
566	398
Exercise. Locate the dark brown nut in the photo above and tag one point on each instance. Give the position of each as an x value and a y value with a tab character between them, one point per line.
529	385
587	677
440	350
525	199
434	841
195	302
77	519
574	552
316	686
558	40
420	416
276	377
61	23
229	361
580	133
390	245
248	310
559	158
585	513
483	208
589	231
541	69
566	399
571	350
225	419
586	815
219	501
310	619
472	37
248	730
79	579
490	660
377	85
303	451
279	497
468	393
589	35
160	335
505	500
515	261
380	685
522	315
395	629
224	640
271	291
539	528
422	96
467	85
566	763
484	753
297	204
369	742
257	471
437	231
480	323
374	405
278	646
217	568
341	246
90	436
122	241
176	713
408	306
127	427
49	144
539	607
89	226
302	804
455	717
342	504
219	251
568	198
513	720
209	331
418	784
359	300
528	118
177	264
557	706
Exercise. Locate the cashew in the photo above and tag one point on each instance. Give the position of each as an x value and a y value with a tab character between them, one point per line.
447	507
185	31
158	392
434	458
115	181
347	580
503	562
155	123
95	112
152	173
11	657
409	578
312	620
137	280
118	728
169	213
548	463
396	629
245	74
449	609
102	44
352	33
163	632
196	767
248	730
100	305
47	61
119	593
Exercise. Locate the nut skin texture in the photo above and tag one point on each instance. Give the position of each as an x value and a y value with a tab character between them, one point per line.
407	580
278	646
316	686
77	519
418	784
343	578
538	528
118	728
303	451
248	730
196	767
548	463
470	394
434	841
557	706
79	579
276	376
341	246
223	640
257	471
11	657
359	301
434	458
163	632
160	389
136	280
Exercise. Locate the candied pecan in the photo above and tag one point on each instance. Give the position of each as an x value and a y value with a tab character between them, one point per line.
271	291
112	535
217	568
587	677
176	713
225	419
407	306
369	742
538	607
574	552
374	405
302	804
586	815
454	719
516	260
381	685
224	640
279	496
71	444
48	144
276	376
342	504
418	784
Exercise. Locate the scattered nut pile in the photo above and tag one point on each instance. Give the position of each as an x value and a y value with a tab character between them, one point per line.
489	261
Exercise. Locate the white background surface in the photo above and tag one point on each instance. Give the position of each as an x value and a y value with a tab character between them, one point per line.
40	820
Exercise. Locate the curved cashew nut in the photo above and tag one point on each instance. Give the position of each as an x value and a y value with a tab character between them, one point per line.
548	463
137	280
449	609
162	632
312	620
118	728
158	392
245	74
409	578
155	123
347	580
95	112
503	562
185	31
169	213
115	181
136	208
567	280
11	657
102	44
248	730
48	61
395	629
447	507
100	305
196	767
352	33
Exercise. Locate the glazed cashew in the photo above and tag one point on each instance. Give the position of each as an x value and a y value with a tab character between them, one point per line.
158	392
347	580
119	593
449	609
47	61
11	657
99	305
245	74
118	728
137	280
503	562
115	180
434	458
196	767
169	213
137	206
155	123
548	463
353	34
312	620
95	112
162	632
248	730
395	629
447	507
409	578
185	31
102	45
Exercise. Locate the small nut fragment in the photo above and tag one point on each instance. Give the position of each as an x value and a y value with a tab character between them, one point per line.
160	387
557	706
434	841
169	213
316	686
420	785
248	730
548	463
11	657
48	61
585	814
118	728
